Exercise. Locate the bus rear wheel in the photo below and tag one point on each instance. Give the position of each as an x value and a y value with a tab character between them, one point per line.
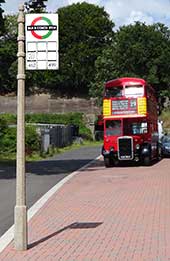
159	153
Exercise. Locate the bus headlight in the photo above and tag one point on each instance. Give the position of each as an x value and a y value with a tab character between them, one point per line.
137	146
111	148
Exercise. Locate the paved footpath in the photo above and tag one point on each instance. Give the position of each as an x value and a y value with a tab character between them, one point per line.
103	214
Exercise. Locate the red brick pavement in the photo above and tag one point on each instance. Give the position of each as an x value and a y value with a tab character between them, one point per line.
104	214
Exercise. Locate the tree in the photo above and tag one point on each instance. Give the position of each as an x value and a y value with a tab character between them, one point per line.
8	55
85	30
1	18
35	6
138	50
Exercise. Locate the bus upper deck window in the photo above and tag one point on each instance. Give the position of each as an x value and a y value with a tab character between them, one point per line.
113	92
134	91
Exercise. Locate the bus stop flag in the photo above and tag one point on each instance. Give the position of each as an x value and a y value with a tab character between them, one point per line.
41	31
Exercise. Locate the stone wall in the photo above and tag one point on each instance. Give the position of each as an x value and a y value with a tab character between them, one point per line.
47	104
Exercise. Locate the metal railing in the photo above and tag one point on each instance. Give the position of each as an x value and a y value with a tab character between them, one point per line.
56	135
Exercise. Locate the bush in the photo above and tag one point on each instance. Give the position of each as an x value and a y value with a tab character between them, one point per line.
69	118
9	118
3	132
32	140
84	132
8	141
3	126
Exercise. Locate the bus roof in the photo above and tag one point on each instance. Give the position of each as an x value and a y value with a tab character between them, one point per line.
125	80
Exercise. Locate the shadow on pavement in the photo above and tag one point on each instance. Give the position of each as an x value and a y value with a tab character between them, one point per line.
76	225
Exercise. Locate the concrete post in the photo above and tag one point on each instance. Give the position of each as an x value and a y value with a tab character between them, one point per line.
45	142
20	219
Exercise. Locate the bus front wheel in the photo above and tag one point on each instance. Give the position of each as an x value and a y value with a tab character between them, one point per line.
108	162
146	161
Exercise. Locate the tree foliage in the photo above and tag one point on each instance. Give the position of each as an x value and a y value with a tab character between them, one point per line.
140	51
35	6
85	30
1	18
8	55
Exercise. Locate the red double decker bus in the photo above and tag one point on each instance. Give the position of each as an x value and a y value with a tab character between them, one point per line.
130	122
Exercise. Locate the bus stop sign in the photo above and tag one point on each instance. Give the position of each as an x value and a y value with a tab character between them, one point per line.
41	32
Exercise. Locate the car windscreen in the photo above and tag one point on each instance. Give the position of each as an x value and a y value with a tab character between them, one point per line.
166	139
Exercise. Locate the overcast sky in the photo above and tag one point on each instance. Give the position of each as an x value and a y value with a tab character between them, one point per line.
122	12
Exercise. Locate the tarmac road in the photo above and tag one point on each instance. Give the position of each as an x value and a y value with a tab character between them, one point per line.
40	177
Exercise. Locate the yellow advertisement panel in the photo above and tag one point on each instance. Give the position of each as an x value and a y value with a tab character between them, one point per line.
142	107
107	107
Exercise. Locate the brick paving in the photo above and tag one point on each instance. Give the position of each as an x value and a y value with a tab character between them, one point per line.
120	214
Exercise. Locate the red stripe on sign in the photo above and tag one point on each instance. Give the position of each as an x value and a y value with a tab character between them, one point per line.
36	20
33	23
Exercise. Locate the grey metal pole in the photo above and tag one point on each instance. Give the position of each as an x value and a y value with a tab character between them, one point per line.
20	219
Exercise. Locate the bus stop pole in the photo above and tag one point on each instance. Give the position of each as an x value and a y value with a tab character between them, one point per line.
20	216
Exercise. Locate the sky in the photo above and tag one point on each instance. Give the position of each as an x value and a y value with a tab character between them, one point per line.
122	12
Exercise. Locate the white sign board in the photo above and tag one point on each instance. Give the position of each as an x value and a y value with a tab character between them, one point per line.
41	31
